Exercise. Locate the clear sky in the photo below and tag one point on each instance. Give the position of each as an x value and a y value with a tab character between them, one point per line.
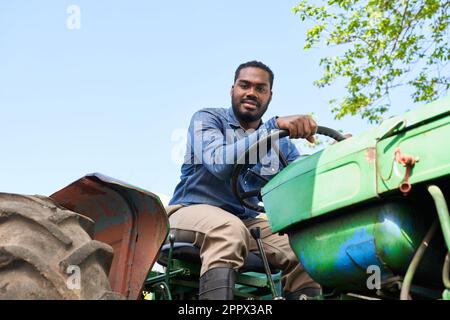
113	96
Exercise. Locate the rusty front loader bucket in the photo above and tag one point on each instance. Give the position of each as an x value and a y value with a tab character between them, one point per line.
131	220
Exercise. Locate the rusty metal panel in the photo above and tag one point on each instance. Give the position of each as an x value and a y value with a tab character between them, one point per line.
132	220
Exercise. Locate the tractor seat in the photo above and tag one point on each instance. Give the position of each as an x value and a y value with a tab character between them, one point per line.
186	251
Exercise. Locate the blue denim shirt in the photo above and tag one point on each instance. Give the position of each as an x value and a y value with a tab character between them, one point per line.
215	141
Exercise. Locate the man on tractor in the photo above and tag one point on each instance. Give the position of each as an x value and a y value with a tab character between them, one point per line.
204	210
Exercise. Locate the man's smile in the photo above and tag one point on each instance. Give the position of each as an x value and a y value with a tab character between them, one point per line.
250	104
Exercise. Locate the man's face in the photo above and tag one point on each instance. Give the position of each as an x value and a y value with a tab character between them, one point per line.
251	94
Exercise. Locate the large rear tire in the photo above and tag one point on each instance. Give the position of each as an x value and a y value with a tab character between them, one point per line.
47	252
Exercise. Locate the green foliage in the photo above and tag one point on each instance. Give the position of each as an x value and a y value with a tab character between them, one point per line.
385	44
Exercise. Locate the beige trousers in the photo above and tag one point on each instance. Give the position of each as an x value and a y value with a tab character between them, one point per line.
224	241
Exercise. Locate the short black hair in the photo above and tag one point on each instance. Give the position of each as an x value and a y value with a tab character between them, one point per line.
255	64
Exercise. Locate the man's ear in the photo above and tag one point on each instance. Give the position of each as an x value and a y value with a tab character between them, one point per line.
270	98
231	90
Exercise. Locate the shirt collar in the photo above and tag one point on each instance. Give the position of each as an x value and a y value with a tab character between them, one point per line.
232	121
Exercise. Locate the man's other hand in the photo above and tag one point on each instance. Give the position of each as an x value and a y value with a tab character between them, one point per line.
299	126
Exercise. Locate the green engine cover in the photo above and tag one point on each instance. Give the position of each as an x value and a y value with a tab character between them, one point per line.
361	168
335	204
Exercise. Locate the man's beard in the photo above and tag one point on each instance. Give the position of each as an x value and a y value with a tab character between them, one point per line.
248	116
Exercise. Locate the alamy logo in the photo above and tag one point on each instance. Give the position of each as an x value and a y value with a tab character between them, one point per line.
74	19
374	280
73	282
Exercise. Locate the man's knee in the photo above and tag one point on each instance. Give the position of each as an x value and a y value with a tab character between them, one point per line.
224	246
233	232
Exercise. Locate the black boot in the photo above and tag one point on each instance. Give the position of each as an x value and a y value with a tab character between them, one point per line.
217	284
303	294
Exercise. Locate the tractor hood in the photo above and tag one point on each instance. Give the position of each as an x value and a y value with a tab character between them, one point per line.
361	168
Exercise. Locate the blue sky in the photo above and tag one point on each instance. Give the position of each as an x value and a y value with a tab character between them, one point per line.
110	96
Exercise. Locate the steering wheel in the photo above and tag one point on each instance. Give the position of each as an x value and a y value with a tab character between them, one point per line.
243	196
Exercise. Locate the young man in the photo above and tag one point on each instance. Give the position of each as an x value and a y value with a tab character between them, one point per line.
210	216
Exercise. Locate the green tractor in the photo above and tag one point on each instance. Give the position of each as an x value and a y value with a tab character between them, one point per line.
367	218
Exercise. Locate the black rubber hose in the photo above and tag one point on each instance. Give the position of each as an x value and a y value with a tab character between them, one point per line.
407	280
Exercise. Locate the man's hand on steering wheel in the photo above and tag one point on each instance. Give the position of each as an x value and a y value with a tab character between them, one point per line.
293	126
299	126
